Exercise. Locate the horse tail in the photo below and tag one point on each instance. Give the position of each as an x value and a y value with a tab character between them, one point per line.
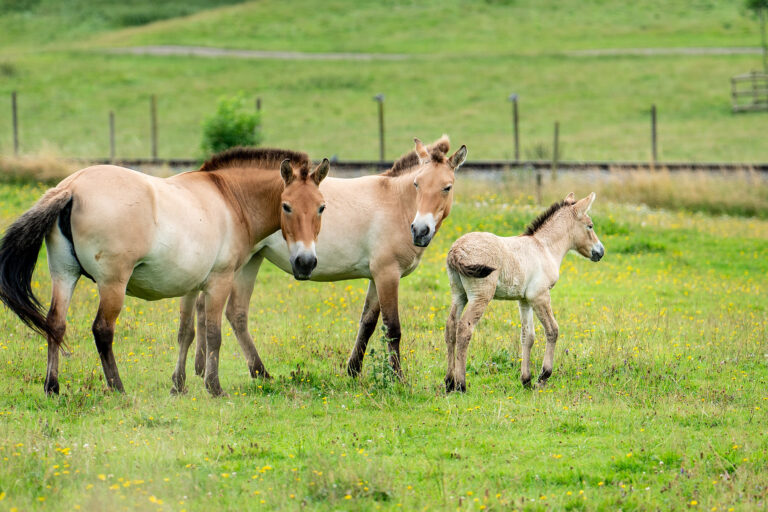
467	269
19	250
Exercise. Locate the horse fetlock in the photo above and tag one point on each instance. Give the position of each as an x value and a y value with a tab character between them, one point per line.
354	366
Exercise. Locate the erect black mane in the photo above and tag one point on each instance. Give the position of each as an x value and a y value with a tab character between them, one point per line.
256	157
539	221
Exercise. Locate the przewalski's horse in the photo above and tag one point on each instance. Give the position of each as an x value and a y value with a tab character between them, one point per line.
483	266
376	227
154	238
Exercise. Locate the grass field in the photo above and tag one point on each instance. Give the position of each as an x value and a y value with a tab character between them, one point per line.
462	60
658	400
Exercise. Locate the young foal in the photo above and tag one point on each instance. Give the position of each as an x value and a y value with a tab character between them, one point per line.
483	266
154	238
376	227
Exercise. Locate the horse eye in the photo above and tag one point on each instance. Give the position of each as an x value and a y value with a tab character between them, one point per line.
287	208
321	209
415	184
446	189
590	227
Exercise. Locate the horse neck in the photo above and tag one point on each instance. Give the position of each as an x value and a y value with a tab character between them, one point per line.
555	235
255	195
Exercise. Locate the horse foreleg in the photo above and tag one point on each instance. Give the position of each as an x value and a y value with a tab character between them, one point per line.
200	344
215	296
186	335
526	342
387	284
458	302
368	320
63	286
544	313
237	314
111	298
472	314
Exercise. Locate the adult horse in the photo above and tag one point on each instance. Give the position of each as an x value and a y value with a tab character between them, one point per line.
376	228
154	238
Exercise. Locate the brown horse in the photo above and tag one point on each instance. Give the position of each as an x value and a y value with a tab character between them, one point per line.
376	228
483	266
155	238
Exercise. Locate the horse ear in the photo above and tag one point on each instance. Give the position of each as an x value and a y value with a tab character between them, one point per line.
286	171
321	171
421	152
458	157
583	206
570	198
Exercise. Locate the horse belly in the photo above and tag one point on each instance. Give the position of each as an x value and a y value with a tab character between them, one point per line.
154	282
509	289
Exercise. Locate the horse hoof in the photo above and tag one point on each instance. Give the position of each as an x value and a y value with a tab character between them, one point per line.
261	374
176	392
354	368
450	385
461	387
526	383
51	388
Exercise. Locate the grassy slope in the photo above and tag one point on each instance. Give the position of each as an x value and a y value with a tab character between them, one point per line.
466	59
658	399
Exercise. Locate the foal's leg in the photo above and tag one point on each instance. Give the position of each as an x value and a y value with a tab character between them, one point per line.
472	314
186	335
526	341
547	319
200	345
63	286
215	297
387	284
111	298
237	314
458	301
368	320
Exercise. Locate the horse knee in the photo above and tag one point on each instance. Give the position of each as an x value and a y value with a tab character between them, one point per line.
553	334
237	319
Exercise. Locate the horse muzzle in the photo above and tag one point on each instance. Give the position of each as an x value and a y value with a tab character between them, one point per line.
423	229
303	262
598	251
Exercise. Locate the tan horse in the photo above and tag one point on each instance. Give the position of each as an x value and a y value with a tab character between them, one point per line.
154	238
483	266
376	228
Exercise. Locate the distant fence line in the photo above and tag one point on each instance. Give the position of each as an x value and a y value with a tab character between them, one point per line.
475	165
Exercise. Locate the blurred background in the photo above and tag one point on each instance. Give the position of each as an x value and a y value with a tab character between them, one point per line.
596	67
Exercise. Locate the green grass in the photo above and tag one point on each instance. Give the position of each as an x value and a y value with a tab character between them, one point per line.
658	399
464	59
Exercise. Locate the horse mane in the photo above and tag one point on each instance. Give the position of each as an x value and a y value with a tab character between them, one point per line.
539	221
407	162
269	158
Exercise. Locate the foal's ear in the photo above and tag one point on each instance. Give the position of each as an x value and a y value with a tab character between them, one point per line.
286	171
421	152
570	198
321	171
583	206
458	157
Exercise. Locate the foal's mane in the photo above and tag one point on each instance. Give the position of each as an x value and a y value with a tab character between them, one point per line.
539	221
410	161
264	158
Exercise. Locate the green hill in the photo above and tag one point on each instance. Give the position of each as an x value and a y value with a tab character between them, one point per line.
460	61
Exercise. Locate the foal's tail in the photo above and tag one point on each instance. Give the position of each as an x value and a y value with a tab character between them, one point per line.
470	270
19	249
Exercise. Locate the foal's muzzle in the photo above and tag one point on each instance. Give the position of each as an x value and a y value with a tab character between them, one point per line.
303	265
598	251
421	235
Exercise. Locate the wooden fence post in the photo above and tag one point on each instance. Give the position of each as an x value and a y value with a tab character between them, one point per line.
380	100
153	122
654	147
556	150
15	124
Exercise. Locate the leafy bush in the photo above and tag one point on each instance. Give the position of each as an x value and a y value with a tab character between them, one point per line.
233	124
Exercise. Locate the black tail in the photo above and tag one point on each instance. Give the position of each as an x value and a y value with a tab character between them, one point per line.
469	270
19	249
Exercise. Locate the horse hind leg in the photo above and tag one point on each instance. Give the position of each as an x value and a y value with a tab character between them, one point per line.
200	337
543	311
186	335
466	326
526	342
458	302
111	298
368	320
63	287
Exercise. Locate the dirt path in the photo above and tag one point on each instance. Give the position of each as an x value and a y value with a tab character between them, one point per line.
211	52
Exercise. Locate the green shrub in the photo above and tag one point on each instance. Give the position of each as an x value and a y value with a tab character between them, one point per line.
233	124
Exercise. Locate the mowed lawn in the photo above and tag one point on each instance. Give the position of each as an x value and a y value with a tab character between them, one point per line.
658	400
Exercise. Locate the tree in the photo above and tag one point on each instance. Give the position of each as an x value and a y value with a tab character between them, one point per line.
760	8
233	124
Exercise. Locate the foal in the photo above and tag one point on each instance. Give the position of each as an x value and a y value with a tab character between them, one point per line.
483	266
